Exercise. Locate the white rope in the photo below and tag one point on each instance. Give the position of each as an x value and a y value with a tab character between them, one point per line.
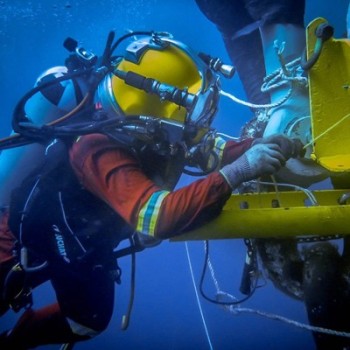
285	75
253	105
220	294
288	73
197	297
212	273
236	310
235	138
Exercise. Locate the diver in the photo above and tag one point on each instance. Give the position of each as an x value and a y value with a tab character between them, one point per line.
260	38
114	136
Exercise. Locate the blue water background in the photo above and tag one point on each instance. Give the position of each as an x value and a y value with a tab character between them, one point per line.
165	314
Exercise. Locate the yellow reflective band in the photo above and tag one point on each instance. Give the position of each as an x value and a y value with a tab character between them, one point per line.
148	215
219	147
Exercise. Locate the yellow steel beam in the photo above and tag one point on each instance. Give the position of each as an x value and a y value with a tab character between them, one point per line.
283	214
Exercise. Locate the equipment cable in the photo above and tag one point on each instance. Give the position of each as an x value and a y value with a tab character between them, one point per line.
219	292
232	308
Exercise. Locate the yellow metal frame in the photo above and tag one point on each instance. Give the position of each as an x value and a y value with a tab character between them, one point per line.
290	214
329	90
282	214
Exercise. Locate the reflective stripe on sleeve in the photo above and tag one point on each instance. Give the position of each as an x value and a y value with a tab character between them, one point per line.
148	215
219	147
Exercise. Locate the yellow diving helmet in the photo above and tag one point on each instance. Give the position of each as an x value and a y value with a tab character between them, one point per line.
161	78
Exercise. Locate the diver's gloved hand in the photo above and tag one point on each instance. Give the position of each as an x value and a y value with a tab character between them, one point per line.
290	147
261	159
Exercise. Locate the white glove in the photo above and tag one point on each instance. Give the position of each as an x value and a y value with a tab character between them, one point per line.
261	159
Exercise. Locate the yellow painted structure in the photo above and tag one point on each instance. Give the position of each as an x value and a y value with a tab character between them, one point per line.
290	214
282	214
329	88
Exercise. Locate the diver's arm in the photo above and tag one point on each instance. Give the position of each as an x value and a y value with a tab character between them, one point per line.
115	176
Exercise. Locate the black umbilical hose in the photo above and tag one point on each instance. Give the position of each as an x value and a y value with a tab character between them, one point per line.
204	172
19	114
227	303
128	35
323	32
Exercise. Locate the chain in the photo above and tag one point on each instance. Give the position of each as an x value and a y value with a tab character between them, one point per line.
305	239
314	239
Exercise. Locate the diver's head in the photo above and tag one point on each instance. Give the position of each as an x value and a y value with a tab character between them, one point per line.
163	80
